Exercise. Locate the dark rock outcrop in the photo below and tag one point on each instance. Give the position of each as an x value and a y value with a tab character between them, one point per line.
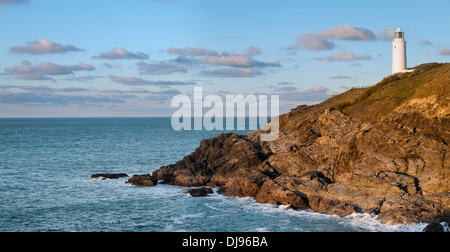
143	180
109	176
200	192
439	224
382	150
434	228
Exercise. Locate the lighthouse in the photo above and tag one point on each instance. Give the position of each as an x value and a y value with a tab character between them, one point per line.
399	52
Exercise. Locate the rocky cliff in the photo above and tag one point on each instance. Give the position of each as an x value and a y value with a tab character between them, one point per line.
381	150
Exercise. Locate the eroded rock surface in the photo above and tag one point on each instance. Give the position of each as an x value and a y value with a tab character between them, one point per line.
336	161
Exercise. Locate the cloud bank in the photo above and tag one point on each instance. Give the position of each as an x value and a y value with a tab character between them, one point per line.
133	81
49	98
43	71
224	63
161	68
323	40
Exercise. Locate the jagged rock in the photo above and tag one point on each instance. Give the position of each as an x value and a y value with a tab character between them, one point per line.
109	176
212	163
142	180
272	192
247	185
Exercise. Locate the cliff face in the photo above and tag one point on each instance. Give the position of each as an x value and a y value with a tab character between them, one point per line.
381	150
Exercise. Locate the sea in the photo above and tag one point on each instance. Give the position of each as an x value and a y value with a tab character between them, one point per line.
45	185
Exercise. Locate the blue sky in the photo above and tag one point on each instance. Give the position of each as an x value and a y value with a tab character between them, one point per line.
130	58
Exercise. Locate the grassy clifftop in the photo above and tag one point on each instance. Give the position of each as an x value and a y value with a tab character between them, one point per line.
424	91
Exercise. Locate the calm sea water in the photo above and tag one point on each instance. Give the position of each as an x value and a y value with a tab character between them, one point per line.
45	169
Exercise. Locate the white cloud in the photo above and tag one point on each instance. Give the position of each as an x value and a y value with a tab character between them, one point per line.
133	81
347	32
133	91
240	61
120	53
233	72
285	83
425	42
189	51
323	40
444	51
340	77
386	34
160	68
313	42
43	46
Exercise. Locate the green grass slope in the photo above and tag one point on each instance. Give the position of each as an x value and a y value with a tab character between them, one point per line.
425	91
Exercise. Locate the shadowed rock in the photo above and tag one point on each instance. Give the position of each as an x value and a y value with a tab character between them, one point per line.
434	228
143	180
200	192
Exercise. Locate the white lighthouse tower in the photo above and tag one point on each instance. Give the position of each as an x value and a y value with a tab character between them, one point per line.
399	52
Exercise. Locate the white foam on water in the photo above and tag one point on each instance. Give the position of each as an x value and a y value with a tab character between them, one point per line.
183	218
171	228
369	222
98	179
261	230
356	221
214	208
220	205
446	227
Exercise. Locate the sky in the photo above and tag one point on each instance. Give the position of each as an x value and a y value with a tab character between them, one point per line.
108	58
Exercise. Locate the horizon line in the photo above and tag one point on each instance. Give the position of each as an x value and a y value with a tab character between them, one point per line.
111	117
